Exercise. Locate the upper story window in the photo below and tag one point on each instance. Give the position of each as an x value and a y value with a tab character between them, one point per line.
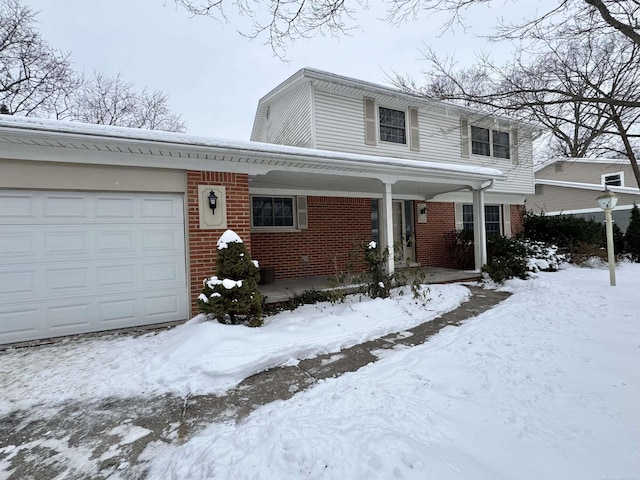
613	179
392	125
490	143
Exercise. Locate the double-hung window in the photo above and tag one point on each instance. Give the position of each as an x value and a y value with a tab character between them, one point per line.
491	218
272	212
490	143
393	125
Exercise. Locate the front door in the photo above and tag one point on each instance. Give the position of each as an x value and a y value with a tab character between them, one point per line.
403	234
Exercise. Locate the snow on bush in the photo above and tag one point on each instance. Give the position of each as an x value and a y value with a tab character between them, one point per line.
232	295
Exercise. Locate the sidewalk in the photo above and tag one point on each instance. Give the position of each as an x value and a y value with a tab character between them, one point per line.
83	437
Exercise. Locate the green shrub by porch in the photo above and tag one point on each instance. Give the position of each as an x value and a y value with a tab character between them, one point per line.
632	237
232	296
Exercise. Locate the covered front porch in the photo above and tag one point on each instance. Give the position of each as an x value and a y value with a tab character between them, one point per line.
285	289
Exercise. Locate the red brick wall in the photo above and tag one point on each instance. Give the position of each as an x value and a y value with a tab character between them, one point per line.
431	237
517	220
335	225
202	243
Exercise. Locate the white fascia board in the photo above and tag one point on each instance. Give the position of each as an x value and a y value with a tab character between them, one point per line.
489	196
329	193
585	210
586	186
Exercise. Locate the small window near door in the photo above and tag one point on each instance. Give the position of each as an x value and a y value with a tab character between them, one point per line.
375	221
272	212
492	222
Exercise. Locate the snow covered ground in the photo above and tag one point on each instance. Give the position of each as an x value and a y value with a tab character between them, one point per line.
545	386
203	356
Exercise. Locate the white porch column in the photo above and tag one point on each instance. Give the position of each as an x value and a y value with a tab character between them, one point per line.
479	230
387	220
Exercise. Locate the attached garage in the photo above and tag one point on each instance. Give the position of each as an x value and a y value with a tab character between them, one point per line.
76	262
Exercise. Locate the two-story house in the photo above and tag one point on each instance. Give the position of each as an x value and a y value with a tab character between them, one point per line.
571	186
106	227
320	110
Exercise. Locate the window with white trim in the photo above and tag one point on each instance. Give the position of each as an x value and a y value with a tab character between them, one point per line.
273	212
393	125
492	221
490	143
613	179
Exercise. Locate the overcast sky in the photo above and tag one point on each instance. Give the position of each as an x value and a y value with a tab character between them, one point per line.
214	76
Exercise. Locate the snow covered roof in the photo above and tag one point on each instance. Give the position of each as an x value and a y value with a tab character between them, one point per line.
587	186
21	137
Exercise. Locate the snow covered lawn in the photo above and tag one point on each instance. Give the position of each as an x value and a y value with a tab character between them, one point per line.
545	386
203	356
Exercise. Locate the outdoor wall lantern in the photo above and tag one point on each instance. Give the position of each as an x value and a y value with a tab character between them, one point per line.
213	201
608	201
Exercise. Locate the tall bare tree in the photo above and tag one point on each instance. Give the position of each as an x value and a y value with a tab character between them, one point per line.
106	100
585	90
36	80
284	20
33	76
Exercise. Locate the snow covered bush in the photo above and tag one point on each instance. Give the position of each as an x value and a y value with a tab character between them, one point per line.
232	295
379	280
507	258
543	257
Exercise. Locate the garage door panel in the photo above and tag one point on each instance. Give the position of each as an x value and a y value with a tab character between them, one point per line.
60	243
116	276
19	323
118	313
18	243
59	207
69	317
121	208
156	208
85	261
16	205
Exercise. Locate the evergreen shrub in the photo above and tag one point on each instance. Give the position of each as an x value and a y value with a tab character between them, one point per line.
232	295
632	237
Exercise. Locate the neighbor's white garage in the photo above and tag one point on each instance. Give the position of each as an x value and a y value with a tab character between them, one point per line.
76	262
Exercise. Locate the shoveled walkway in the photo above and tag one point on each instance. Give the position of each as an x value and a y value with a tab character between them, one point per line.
86	440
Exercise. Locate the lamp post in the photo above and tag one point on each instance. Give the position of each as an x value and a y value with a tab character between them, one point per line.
607	202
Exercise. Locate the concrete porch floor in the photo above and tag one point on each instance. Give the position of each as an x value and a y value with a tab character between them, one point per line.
283	290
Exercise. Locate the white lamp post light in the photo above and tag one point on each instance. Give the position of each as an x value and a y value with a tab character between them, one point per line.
607	202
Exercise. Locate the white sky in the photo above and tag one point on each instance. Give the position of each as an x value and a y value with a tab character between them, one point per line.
214	76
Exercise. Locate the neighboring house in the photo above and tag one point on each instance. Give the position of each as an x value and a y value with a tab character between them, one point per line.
572	185
106	227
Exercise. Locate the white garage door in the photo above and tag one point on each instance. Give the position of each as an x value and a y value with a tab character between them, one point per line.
76	262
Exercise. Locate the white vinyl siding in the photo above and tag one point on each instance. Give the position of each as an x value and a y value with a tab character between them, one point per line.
289	119
77	262
584	172
340	123
556	198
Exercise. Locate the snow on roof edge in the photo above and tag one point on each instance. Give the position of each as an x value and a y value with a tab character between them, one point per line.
136	134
